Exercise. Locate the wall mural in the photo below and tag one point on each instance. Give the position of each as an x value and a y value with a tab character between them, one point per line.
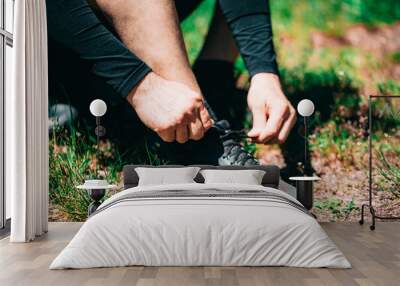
335	59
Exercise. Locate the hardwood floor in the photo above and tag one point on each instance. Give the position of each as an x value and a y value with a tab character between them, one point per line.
375	257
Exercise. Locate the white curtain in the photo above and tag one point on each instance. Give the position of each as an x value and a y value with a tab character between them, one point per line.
26	124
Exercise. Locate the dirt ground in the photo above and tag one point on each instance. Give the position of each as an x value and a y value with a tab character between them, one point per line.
343	183
378	42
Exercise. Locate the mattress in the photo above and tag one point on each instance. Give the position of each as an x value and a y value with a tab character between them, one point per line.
201	225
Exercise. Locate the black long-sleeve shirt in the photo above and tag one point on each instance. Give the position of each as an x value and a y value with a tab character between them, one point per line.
250	23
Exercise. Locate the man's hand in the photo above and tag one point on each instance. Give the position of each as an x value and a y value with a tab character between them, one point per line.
273	115
170	108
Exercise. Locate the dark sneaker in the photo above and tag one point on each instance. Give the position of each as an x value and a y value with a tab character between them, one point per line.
234	153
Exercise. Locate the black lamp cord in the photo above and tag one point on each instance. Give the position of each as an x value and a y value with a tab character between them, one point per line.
305	170
98	145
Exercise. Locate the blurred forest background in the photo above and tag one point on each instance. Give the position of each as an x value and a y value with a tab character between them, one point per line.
333	52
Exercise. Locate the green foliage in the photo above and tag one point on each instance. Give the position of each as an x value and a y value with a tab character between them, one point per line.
333	204
338	208
304	78
195	28
389	87
73	158
249	147
371	12
390	172
396	57
240	67
334	93
333	14
386	115
344	142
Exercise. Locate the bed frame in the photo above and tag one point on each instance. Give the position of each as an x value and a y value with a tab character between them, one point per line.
271	177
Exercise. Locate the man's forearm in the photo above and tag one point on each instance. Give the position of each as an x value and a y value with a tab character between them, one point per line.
151	30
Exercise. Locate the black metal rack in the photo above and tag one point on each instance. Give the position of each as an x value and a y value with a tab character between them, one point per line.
369	205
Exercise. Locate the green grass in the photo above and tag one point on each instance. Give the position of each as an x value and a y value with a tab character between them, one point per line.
389	87
333	14
73	158
389	171
337	208
195	28
395	57
334	140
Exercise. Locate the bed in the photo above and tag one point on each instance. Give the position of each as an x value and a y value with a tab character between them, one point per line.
198	224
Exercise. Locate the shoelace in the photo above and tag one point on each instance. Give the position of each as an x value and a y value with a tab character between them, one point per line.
233	149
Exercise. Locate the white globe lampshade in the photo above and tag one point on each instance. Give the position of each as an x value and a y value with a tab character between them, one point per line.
305	107
98	107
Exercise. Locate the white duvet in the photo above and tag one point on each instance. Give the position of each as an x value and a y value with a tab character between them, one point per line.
200	231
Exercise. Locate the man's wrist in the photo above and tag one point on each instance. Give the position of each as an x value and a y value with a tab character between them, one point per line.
265	77
142	84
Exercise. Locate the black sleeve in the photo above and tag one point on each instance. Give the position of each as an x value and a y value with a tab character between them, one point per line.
74	24
250	23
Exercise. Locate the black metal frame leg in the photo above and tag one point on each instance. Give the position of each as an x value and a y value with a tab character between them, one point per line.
372	211
373	216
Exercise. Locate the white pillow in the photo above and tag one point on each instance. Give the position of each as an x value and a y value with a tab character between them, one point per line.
164	176
248	177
